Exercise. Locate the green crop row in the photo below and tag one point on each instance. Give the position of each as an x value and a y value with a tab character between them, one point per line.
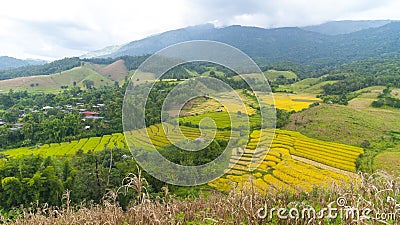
70	148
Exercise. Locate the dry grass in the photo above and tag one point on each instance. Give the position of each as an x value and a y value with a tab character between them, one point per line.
115	71
377	192
53	82
389	161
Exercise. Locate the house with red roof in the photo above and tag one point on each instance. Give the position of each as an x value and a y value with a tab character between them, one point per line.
87	113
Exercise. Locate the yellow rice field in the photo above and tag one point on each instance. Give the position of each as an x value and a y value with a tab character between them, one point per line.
279	171
289	102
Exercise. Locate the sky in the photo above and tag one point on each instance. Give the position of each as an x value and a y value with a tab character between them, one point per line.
49	29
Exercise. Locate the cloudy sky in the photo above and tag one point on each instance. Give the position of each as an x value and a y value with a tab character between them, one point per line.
50	29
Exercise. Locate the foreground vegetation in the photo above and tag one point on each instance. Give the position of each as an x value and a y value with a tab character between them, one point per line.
237	207
31	178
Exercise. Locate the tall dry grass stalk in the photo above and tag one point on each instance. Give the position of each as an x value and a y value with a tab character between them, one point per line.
378	191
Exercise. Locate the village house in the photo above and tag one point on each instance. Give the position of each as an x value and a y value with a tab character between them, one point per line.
69	107
91	115
22	114
88	113
16	126
47	107
33	110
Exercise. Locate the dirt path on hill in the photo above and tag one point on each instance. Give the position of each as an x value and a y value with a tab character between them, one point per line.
323	166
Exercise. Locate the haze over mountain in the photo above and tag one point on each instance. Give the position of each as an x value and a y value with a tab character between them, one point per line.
345	26
101	52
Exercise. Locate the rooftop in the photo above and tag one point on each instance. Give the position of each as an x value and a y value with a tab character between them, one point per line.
94	117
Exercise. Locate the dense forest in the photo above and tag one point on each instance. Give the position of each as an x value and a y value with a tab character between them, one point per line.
358	75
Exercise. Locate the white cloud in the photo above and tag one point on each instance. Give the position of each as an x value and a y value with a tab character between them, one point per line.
55	29
389	10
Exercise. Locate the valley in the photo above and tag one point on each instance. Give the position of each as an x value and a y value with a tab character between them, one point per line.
328	126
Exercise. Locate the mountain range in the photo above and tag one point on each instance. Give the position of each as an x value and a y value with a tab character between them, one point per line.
338	41
7	62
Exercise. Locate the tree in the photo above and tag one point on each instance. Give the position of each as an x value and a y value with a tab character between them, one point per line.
88	84
377	104
11	115
365	144
387	90
282	118
52	188
12	190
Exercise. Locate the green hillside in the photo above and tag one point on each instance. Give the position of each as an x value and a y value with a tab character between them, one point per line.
54	82
274	74
308	85
80	74
345	124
